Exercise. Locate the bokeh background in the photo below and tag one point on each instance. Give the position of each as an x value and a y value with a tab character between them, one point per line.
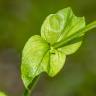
20	19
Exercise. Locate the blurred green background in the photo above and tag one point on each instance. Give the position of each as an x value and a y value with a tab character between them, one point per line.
20	19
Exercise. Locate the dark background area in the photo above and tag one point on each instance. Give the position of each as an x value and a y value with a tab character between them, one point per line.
20	19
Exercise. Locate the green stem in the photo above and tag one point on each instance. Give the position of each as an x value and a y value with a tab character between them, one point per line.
90	26
77	34
27	92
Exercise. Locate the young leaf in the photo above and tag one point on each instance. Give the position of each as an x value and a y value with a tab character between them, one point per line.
71	48
61	34
56	62
52	28
60	26
33	53
73	23
38	57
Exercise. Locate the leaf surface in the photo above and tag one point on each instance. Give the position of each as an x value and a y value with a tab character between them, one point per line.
38	58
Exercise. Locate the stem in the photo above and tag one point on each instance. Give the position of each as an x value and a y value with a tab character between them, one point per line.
77	34
27	92
90	26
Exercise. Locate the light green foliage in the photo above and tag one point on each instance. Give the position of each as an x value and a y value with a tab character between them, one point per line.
2	94
61	25
61	35
39	57
35	58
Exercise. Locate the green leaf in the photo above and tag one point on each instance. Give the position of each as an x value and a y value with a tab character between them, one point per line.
75	38
61	34
70	49
57	28
73	24
33	53
51	28
61	25
2	94
56	61
37	58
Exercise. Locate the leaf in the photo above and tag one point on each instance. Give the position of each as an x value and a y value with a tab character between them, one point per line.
38	58
70	45
70	49
51	28
61	34
2	94
57	60
57	28
33	53
73	24
61	25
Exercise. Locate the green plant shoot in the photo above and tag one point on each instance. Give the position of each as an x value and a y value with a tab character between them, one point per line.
61	35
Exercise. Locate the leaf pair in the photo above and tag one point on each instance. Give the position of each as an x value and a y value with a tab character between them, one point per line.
61	35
